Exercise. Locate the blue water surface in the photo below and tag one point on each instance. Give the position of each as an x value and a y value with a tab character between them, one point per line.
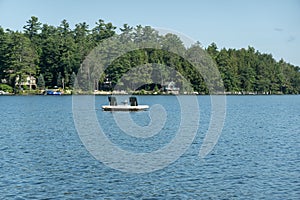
257	155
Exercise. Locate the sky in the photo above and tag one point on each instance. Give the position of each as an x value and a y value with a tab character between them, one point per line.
270	26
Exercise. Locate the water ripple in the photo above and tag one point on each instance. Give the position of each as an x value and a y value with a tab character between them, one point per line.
257	157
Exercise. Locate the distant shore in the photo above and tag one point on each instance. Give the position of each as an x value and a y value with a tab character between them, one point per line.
105	93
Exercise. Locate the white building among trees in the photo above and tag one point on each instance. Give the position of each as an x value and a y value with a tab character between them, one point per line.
28	81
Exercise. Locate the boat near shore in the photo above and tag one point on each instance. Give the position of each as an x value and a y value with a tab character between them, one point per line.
51	92
132	106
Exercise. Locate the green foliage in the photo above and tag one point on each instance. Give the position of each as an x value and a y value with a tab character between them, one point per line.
32	28
20	58
59	80
72	80
6	88
41	82
249	71
55	54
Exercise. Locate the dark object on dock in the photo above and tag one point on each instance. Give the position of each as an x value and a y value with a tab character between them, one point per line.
133	101
112	101
133	106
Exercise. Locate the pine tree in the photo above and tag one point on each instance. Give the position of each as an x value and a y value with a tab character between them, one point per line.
41	82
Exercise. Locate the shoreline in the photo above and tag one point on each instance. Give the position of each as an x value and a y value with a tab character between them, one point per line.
140	93
119	94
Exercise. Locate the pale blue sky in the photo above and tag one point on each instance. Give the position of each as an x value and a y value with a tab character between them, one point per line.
270	26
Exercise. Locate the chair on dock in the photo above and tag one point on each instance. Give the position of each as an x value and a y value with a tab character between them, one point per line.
133	101
112	101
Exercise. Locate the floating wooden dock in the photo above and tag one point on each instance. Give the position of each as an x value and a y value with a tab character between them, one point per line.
133	106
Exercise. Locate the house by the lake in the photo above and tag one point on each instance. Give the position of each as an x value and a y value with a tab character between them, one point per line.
29	82
170	87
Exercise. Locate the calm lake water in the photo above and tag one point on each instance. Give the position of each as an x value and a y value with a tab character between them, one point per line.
257	155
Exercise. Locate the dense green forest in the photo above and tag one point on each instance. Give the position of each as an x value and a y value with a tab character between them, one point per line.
54	55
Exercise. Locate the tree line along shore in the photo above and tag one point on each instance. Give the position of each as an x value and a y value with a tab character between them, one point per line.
45	57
